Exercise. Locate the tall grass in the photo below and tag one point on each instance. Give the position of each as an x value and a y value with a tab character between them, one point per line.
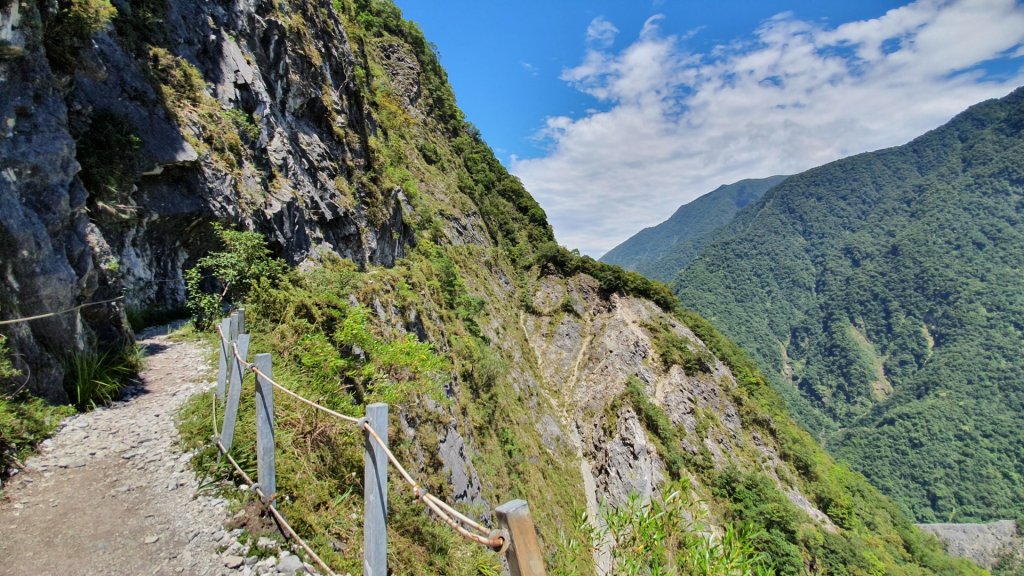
93	379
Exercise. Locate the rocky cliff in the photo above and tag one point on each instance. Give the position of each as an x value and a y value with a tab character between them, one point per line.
425	274
118	150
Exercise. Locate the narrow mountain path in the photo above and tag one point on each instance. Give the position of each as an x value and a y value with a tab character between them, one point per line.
111	492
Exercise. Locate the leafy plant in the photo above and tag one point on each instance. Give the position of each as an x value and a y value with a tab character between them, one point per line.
665	537
245	263
7	370
24	422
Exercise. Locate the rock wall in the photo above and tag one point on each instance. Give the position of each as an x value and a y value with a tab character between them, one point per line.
48	246
275	138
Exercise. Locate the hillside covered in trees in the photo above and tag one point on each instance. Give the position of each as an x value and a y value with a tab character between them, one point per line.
660	251
883	294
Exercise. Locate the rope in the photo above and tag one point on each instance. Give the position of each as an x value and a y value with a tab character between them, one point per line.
459	522
48	314
303	400
439	508
277	515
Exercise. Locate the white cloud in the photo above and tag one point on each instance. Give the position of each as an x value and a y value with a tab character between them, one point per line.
601	32
677	124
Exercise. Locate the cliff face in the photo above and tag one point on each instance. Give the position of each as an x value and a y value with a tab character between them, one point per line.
331	130
49	249
253	119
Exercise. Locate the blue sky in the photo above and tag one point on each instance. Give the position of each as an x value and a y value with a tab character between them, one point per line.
614	113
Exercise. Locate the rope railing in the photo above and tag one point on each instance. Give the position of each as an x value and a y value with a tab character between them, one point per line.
58	313
514	515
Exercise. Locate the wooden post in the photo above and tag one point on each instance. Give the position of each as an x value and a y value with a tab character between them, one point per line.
265	429
227	434
224	364
524	555
375	495
241	321
233	327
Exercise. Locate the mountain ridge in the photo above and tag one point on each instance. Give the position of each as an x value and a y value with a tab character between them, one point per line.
658	251
858	282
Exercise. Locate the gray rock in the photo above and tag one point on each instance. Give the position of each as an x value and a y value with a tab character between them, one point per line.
265	543
464	480
290	565
232	561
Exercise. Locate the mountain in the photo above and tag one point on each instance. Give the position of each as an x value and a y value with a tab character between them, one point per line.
885	291
660	251
307	160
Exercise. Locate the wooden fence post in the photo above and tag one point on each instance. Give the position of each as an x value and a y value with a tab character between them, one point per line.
375	496
227	435
524	555
265	462
224	364
241	321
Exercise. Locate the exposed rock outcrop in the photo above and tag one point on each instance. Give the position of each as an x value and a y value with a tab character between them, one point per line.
274	136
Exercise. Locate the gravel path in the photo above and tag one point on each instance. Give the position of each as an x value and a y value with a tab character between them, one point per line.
111	492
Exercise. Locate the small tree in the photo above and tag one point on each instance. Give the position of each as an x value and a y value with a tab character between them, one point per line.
244	264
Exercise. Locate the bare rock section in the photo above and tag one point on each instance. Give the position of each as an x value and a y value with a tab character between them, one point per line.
982	543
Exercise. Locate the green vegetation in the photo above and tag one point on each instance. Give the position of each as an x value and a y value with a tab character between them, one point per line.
666	537
881	293
7	370
245	264
612	278
24	422
67	31
678	351
340	353
95	379
660	251
107	151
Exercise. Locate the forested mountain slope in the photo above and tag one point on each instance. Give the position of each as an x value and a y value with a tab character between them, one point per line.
419	273
888	288
660	251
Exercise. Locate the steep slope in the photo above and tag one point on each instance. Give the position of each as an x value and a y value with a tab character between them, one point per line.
426	277
660	251
886	289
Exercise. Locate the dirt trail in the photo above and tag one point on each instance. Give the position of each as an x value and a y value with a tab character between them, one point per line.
111	492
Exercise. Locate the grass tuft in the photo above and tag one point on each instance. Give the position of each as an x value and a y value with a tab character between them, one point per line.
93	379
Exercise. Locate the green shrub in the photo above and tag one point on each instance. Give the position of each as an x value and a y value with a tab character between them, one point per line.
7	370
675	350
24	422
245	264
613	279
